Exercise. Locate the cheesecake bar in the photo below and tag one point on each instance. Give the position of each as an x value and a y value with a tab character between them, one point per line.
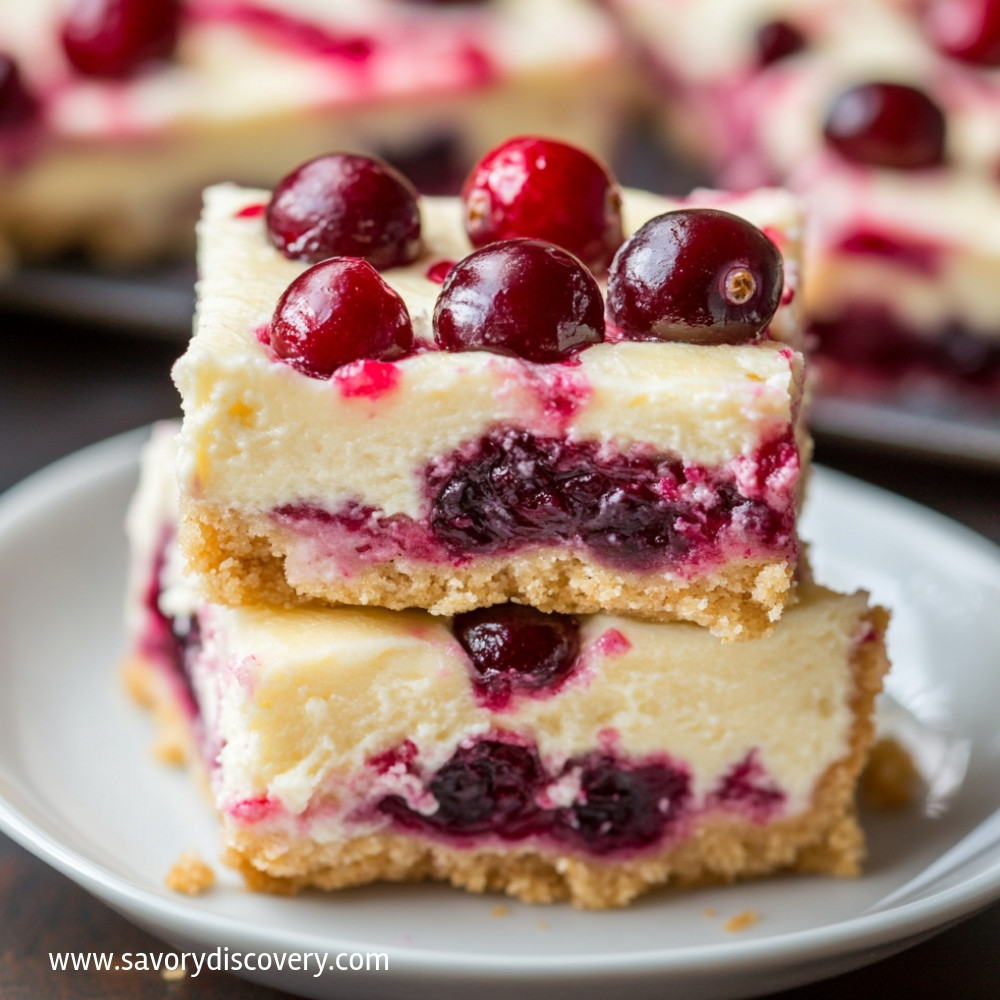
114	114
884	116
553	757
465	462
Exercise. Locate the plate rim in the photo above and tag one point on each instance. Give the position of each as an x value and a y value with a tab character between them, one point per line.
103	460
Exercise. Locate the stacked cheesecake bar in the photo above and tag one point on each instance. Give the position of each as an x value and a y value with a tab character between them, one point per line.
487	567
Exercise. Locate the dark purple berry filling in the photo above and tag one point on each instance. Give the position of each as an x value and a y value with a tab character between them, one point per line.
488	787
968	30
622	806
513	648
497	787
18	106
630	510
748	787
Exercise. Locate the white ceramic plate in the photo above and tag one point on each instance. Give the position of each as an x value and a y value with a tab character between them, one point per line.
79	787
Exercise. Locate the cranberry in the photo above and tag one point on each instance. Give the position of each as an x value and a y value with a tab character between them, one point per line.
17	104
114	38
513	647
966	29
346	205
887	125
488	787
336	312
546	190
777	40
521	297
697	275
622	806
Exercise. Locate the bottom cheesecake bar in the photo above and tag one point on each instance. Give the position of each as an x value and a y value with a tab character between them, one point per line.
553	757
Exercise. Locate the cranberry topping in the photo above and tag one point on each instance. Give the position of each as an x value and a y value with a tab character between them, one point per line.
345	205
115	38
520	297
966	29
18	105
515	489
776	40
886	125
622	806
546	190
488	787
514	648
336	312
697	275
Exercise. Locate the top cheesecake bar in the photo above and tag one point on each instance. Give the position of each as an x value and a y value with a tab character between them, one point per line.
472	455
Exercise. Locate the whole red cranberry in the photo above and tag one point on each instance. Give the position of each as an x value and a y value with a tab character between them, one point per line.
697	275
545	190
521	297
114	38
886	125
17	104
346	205
336	312
776	40
513	647
966	29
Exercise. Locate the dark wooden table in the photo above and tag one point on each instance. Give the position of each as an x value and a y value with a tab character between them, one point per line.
62	388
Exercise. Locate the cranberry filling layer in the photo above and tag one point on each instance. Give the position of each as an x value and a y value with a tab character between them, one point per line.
499	788
870	340
173	642
632	510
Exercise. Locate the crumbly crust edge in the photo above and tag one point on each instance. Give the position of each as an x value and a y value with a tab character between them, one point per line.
241	559
825	839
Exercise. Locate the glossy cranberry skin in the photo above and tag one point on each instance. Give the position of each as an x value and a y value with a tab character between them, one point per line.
968	30
18	106
345	205
513	647
336	312
776	40
115	38
622	806
545	190
886	125
697	275
520	297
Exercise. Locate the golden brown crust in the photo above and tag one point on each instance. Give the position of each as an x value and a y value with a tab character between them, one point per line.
190	875
824	839
242	560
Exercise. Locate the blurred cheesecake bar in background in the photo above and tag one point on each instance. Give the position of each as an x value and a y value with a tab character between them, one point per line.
114	114
884	116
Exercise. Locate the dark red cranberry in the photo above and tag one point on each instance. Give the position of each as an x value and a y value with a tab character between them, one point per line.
886	125
545	190
525	298
114	38
513	648
697	275
966	29
488	787
336	312
777	40
621	806
18	105
346	205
